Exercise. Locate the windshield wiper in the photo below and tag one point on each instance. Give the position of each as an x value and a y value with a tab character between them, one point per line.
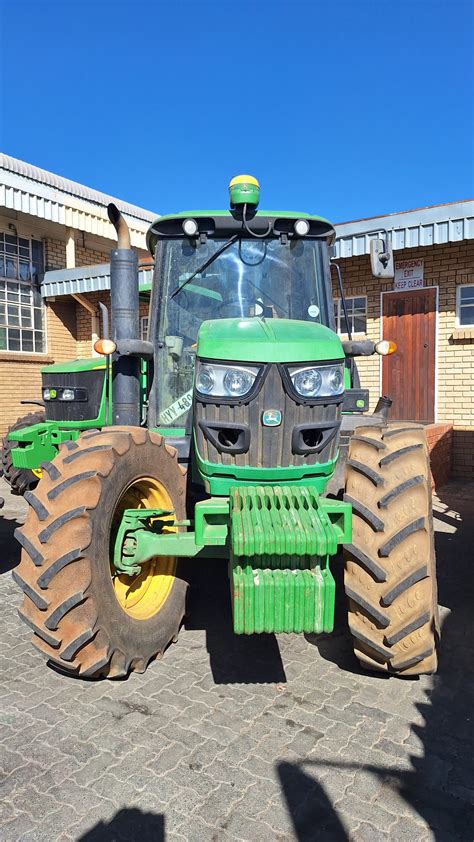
206	264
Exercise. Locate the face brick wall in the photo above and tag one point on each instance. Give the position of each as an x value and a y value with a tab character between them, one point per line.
440	439
445	266
55	254
20	374
84	344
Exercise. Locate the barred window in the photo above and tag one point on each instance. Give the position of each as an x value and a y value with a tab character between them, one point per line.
21	310
465	306
356	314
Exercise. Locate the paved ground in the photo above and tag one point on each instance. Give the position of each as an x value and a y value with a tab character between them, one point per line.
243	739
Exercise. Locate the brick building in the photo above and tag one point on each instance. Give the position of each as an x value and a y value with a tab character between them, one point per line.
428	309
48	223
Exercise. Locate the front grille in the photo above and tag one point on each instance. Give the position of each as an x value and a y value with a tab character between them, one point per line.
267	447
92	381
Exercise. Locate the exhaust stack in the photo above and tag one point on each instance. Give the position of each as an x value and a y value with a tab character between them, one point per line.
125	324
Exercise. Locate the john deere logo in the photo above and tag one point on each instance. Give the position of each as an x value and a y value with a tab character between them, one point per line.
271	418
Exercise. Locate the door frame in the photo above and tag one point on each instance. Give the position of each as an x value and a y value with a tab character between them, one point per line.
391	292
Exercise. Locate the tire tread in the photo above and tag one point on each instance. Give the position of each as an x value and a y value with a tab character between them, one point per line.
390	587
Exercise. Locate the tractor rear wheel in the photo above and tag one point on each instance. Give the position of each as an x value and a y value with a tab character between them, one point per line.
85	618
390	575
20	479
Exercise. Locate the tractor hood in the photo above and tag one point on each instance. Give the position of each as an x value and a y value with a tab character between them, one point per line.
267	341
73	366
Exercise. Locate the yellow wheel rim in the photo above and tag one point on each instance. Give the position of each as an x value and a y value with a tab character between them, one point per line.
38	472
143	595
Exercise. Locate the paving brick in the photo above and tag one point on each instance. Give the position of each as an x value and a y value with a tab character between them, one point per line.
366	832
169	758
17	827
409	829
205	754
217	807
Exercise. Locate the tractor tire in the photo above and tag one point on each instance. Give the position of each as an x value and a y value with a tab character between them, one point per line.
390	569
87	620
19	479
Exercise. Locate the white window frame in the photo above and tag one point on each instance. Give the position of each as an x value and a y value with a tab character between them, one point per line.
340	315
12	300
457	322
143	327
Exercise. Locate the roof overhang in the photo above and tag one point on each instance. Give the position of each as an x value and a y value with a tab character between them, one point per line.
39	193
430	226
87	279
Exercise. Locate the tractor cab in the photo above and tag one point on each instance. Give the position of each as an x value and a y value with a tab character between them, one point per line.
267	267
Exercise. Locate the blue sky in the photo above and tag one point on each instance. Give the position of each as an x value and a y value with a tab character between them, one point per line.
346	109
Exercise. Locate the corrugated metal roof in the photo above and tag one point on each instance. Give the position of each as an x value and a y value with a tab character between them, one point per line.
73	188
409	229
39	193
85	279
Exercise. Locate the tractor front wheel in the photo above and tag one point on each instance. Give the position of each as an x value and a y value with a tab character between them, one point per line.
20	479
87	619
390	576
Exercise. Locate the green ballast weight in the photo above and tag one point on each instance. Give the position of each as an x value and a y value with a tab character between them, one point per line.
281	540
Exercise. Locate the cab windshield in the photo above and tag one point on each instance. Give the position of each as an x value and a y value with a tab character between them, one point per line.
250	278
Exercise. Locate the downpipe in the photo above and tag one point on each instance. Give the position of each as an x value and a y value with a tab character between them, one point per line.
125	324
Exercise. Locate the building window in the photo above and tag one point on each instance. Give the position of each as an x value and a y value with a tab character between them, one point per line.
356	314
143	327
21	310
465	306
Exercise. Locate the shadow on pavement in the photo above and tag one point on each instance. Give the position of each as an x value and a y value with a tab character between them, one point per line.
234	659
440	785
10	548
311	811
128	825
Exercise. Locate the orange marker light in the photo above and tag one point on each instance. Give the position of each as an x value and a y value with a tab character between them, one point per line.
386	347
105	347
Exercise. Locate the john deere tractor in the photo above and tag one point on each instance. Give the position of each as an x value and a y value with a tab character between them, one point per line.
76	397
254	415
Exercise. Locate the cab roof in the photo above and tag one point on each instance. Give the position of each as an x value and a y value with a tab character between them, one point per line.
224	222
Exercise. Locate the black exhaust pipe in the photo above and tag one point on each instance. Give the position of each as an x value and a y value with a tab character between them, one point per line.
125	324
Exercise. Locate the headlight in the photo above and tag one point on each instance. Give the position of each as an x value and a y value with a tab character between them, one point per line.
307	382
238	381
64	394
318	381
225	381
205	380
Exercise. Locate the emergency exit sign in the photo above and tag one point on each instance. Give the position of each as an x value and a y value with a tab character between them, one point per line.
408	274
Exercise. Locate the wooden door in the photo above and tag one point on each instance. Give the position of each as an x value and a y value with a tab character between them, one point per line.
408	376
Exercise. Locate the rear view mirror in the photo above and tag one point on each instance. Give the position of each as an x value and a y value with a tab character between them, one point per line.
381	258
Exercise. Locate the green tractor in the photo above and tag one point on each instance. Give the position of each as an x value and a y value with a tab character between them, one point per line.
254	450
76	396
